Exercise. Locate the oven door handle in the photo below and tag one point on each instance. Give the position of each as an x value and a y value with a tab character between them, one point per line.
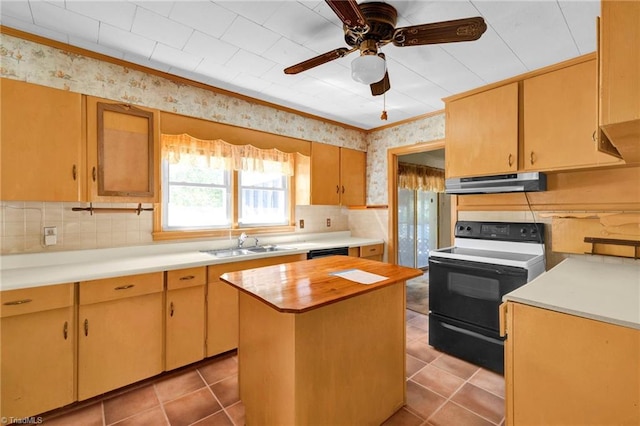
475	267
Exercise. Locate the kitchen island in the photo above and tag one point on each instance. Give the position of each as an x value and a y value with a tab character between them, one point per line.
316	347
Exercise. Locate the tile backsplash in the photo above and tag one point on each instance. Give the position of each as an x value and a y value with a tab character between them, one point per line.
22	223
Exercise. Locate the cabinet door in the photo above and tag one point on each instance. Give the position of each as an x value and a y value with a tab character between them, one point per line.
325	174
222	302
185	317
559	119
353	177
37	370
620	61
482	133
41	142
563	369
122	152
119	343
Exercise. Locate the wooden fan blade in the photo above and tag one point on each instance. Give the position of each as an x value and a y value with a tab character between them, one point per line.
382	86
467	29
349	13
318	60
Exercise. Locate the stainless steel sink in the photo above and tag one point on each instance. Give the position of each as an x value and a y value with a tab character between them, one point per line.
228	252
243	252
265	249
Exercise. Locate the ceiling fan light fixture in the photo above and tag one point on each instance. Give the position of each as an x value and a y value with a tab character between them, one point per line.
368	69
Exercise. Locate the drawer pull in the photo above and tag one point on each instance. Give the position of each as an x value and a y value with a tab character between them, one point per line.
125	287
187	278
65	330
17	302
74	172
86	327
93	174
171	310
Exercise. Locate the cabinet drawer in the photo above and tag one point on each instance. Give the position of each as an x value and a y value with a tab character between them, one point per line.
35	299
371	250
120	287
183	278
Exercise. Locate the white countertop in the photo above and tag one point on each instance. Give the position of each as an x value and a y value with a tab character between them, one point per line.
601	291
38	269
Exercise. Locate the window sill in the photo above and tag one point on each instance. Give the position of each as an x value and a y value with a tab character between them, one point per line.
218	233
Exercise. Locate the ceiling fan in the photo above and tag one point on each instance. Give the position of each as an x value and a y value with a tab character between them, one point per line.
371	25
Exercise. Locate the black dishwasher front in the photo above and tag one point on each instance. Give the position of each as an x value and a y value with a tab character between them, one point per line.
313	254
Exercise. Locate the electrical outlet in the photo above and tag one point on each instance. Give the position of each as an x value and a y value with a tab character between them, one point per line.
328	222
301	223
50	235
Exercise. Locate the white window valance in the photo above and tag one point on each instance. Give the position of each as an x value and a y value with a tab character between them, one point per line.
223	155
418	177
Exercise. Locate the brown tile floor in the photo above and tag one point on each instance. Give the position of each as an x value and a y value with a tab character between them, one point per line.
441	390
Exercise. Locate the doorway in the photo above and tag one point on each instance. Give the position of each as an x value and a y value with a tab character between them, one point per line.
423	215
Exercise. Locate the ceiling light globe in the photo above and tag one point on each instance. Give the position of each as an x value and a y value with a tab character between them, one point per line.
368	69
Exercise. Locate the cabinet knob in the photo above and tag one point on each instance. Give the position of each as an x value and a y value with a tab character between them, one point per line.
86	327
531	159
593	136
510	160
65	330
74	172
337	189
343	189
171	310
93	174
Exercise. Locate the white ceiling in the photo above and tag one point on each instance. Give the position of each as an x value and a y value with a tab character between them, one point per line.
243	46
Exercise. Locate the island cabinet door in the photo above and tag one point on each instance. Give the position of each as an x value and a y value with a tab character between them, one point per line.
120	336
564	369
37	350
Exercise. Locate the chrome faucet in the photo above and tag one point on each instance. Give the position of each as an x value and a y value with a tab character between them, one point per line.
243	237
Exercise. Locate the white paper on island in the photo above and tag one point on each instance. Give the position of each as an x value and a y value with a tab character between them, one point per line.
362	277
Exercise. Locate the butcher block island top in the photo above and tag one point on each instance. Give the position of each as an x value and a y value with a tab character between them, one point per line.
300	286
316	347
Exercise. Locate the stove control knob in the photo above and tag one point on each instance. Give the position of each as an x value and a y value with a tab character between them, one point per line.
460	228
534	230
468	229
523	230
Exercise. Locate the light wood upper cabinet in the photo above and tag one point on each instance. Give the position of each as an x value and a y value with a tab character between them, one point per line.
482	133
353	177
122	152
559	116
37	349
338	175
185	316
42	143
120	328
564	369
619	54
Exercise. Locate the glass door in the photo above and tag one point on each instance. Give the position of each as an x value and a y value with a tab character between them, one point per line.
417	227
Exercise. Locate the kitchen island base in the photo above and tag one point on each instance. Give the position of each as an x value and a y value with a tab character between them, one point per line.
342	363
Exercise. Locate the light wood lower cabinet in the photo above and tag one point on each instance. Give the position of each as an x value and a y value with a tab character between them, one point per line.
371	252
222	302
120	337
564	369
185	317
37	340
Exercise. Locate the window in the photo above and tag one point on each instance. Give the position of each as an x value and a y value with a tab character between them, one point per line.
263	199
195	195
212	187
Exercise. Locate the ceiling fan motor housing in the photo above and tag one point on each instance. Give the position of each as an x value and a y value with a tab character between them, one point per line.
382	19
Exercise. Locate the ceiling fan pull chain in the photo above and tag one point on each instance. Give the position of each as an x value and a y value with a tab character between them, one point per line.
383	116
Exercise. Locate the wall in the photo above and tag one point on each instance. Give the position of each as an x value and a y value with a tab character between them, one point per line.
21	226
21	223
